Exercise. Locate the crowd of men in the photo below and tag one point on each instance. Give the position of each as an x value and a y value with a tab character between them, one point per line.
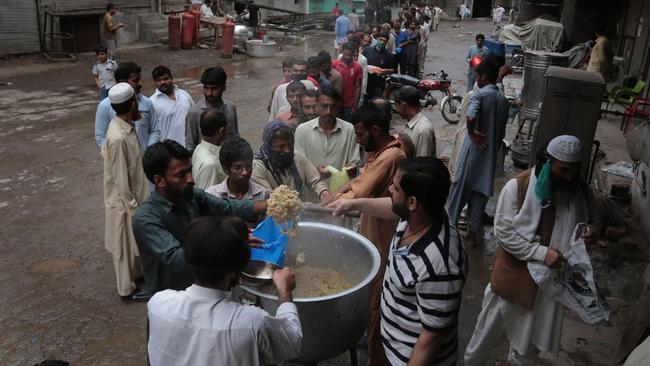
182	189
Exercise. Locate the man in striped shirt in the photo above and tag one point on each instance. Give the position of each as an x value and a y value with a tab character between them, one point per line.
427	266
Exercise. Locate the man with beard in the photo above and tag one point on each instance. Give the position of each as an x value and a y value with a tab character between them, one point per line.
308	106
172	105
160	224
146	127
294	91
423	284
473	182
214	84
276	164
371	126
419	127
535	219
298	73
328	140
125	189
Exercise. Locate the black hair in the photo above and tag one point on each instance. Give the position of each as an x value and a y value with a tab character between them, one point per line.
215	247
124	107
124	70
370	115
497	59
383	35
480	36
283	133
601	28
348	46
324	56
383	104
100	48
299	61
309	93
160	71
427	179
407	23
354	10
214	76
328	91
313	63
157	157
490	68
296	85
233	149
408	95
355	40
211	122
287	63
110	6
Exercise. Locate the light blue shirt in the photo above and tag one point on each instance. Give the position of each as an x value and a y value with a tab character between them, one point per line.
341	28
147	128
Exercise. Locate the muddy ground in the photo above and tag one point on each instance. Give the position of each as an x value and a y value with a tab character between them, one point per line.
57	286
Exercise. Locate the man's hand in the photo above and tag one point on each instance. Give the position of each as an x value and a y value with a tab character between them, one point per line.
284	281
325	196
554	259
478	139
342	206
254	242
589	234
503	71
324	173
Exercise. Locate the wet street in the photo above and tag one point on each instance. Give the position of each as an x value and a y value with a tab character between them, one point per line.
57	285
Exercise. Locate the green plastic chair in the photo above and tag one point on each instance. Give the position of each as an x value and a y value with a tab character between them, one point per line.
625	96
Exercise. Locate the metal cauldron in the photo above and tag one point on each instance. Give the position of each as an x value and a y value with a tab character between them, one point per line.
331	324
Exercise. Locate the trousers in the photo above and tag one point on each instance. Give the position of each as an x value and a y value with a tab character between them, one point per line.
459	196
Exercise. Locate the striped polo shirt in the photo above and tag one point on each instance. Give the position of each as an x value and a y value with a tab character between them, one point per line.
422	290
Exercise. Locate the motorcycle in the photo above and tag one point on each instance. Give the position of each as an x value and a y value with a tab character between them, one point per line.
439	81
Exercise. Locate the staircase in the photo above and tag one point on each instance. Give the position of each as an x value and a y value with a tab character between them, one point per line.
153	27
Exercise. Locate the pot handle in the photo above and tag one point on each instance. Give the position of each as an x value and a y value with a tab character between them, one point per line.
313	208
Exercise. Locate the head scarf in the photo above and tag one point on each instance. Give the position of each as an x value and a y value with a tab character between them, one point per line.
565	148
277	162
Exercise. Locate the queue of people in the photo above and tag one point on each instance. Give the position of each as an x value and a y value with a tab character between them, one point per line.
182	189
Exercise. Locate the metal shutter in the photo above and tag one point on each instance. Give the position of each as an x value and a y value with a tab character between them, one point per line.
18	27
640	50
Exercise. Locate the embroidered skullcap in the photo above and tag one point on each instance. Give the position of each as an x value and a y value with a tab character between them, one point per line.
120	93
566	148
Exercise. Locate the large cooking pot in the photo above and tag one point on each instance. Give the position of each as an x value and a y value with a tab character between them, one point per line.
535	65
331	324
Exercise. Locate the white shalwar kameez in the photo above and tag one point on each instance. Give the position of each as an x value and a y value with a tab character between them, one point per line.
528	331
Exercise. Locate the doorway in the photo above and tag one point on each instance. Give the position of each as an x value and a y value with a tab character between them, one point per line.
482	9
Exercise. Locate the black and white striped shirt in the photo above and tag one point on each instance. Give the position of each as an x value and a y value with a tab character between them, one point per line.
422	290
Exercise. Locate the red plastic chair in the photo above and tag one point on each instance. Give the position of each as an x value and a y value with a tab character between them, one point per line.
640	108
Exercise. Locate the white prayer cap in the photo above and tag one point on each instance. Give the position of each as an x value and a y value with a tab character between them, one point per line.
120	93
566	148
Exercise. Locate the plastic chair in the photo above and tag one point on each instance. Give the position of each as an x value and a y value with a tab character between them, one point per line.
623	95
639	109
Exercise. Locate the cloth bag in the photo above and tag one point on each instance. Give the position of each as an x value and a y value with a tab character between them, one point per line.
572	285
275	242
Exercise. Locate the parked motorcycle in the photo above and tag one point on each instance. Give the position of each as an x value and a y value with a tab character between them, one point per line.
439	81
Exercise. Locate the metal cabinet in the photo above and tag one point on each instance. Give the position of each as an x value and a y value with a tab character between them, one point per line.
571	106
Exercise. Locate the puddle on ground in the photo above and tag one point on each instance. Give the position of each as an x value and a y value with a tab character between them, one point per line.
53	266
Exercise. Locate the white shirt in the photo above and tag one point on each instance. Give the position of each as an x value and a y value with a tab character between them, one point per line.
206	11
204	326
171	113
280	98
206	167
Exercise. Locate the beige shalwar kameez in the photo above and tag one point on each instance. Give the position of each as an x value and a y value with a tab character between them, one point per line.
125	188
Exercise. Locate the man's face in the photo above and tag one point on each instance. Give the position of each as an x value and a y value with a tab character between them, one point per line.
328	108
565	174
347	56
213	93
385	29
397	26
164	83
399	107
240	171
102	57
375	32
299	71
365	137
309	107
134	81
398	198
178	181
481	80
113	11
135	111
412	26
286	72
326	67
314	72
367	39
292	97
479	42
282	145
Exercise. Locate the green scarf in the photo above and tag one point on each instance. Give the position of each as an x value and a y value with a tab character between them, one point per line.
543	190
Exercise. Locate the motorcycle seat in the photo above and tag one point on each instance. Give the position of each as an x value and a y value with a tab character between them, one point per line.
405	79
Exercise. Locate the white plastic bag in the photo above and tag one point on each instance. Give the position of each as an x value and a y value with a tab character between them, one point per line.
572	285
